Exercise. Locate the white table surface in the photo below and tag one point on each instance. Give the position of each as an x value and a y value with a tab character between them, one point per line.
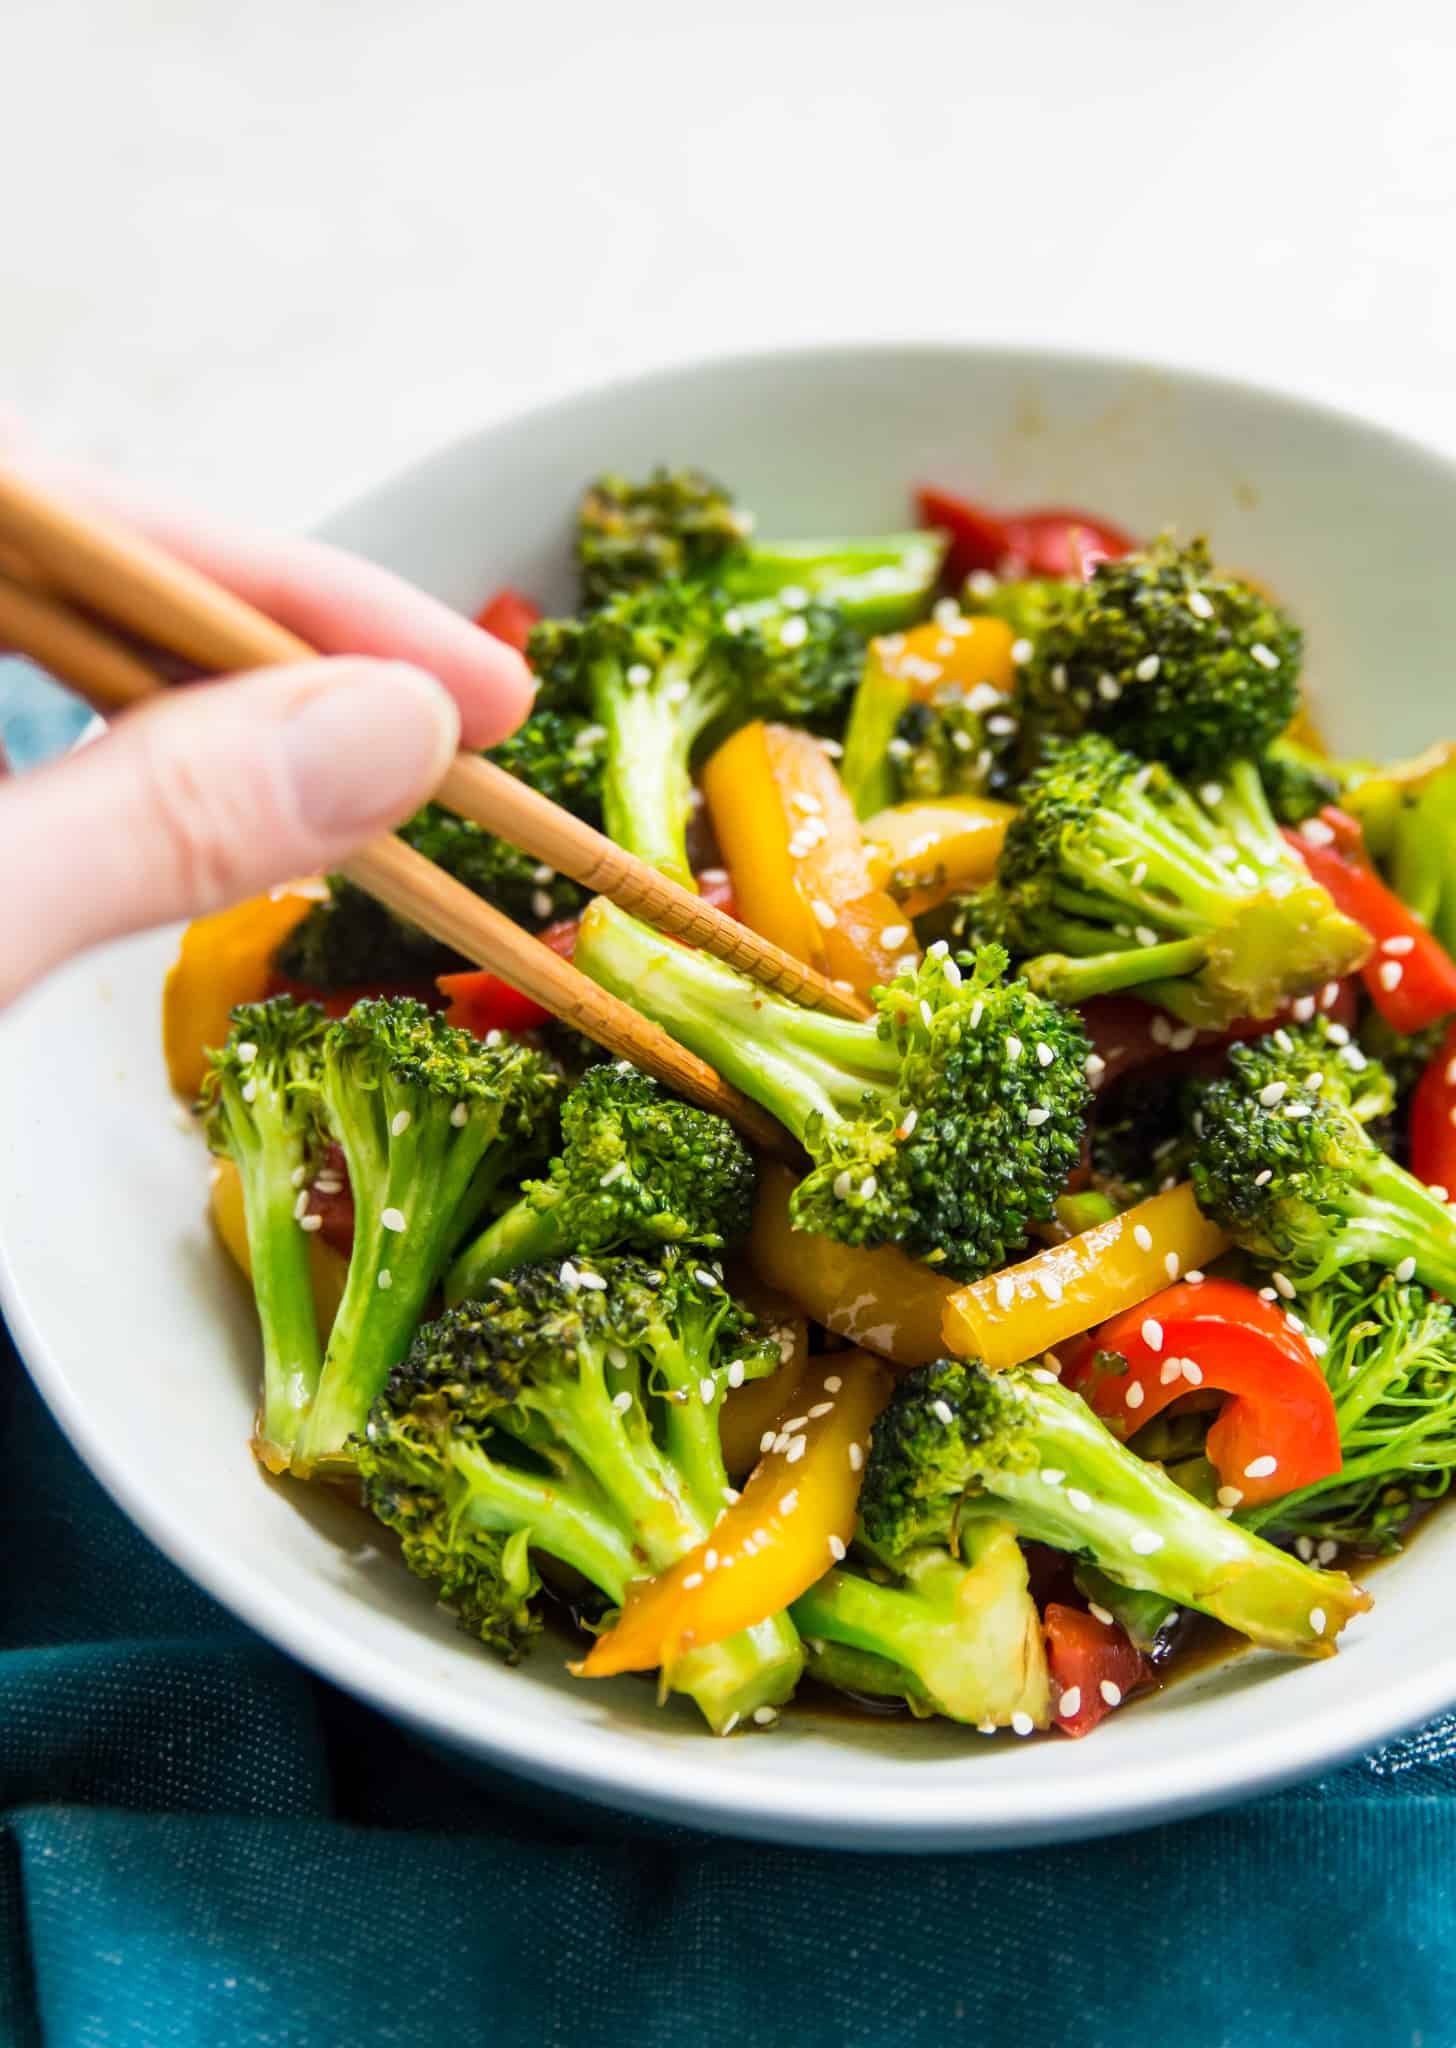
266	252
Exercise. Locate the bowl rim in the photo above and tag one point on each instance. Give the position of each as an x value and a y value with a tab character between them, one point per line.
693	1787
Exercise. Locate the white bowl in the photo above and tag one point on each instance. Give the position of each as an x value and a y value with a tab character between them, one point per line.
141	1342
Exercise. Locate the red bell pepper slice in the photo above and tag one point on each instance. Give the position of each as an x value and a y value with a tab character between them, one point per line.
1093	1666
480	1001
510	617
1055	541
1126	1033
338	1002
1276	1432
1410	977
1433	1120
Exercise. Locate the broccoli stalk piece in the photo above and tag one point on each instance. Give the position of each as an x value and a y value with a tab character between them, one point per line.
1115	875
957	1438
947	1125
1169	658
954	1635
574	1415
429	1119
637	1169
261	1103
663	668
1284	1162
1390	1359
902	744
681	526
1421	863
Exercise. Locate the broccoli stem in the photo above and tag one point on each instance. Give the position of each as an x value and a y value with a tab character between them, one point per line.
1127	1517
800	1064
526	1233
866	768
881	584
567	1515
1154	972
278	1252
1389	1216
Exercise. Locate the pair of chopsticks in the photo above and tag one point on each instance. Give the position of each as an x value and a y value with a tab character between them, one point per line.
69	576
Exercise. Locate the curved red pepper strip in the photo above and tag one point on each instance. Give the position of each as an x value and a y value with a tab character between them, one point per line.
1433	1120
1085	1656
1410	977
1052	541
1126	1033
1278	1430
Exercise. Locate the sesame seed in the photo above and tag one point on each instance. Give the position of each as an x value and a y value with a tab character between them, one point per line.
978	1010
592	1280
1051	1476
733	1719
1045	1055
789	1501
1013	1047
868	1188
927	1015
1268	1294
639	675
1406	1270
1080	1500
1317	1620
836	1549
1172	1369
1001	726
695	1579
1160	1030
1171	1264
833	1384
735	1373
1147	668
1265	656
1142	1237
1152	1333
1193	1277
907	1123
1193	1372
393	1219
1070	1703
1390	974
622	1402
946	612
1037	1115
793	1425
386	1278
1022	651
1044	1374
1274	1093
1145	935
1328	1550
1101	1614
1110	1692
1262	1180
1295	1110
1285	1285
616	1357
895	935
328	1184
1302	1009
843	1183
249	1091
707	1390
568	1274
1095	1067
1398	946
824	915
795	1451
1109	689
1212	793
1051	1287
1022	1722
856	1457
1146	1541
793	632
1199	605
1261	1468
710	1560
765	1716
460	1114
1135	1395
1005	1291
820	1408
942	1412
1304	1549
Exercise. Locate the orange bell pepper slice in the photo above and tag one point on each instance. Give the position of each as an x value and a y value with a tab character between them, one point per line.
880	1299
926	851
796	856
224	960
1277	1430
1032	1307
793	1520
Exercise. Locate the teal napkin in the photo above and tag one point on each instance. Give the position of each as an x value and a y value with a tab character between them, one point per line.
203	1847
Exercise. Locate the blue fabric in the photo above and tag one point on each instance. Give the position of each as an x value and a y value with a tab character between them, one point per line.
202	1847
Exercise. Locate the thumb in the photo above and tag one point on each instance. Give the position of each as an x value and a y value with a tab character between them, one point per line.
210	794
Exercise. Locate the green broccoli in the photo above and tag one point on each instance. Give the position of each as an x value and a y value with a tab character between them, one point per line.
1115	875
637	1169
350	941
957	1439
1297	781
430	1120
1421	862
948	1124
902	744
1141	1136
663	668
1169	658
573	1415
681	526
260	1099
957	1635
1389	1353
1284	1163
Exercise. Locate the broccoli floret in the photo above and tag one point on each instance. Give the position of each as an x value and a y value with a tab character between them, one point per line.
260	1099
1390	1358
957	1635
1297	781
1141	1134
902	743
636	1169
678	526
958	1439
948	1124
663	668
1115	875
1025	603
351	941
1167	656
682	526
1404	1055
430	1119
573	1414
1284	1163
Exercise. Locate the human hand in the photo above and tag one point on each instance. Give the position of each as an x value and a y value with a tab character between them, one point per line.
214	792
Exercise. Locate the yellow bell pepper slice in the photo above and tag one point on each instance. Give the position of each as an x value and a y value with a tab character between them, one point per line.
328	1268
925	851
748	1410
880	1299
793	1520
224	960
794	851
1030	1308
933	659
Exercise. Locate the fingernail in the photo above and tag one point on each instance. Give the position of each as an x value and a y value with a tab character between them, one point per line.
368	747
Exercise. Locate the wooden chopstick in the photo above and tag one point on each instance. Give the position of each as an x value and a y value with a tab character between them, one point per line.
107	673
513	811
414	888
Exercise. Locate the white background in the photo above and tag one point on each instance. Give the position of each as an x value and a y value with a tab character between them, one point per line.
266	250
